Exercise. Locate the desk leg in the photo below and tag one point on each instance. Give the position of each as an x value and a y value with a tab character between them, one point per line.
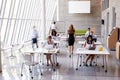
57	64
42	58
53	61
95	62
53	58
81	60
105	63
77	62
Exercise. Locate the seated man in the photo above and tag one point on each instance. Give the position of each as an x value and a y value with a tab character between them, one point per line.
94	37
87	33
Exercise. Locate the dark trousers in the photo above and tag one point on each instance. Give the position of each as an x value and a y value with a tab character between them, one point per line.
34	41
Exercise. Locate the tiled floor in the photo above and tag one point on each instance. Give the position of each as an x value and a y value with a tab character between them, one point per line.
66	70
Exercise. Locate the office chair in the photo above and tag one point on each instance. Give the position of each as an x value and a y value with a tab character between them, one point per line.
29	61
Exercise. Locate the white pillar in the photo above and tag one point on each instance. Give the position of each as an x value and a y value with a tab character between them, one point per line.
43	20
58	3
0	56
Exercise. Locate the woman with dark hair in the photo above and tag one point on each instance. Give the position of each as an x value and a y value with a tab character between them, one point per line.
89	44
71	39
53	34
49	45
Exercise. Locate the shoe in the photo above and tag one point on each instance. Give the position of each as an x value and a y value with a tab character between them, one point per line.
47	64
53	65
57	64
71	53
85	64
90	64
69	56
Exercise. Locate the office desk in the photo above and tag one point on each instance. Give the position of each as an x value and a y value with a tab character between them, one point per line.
42	51
64	37
83	51
83	42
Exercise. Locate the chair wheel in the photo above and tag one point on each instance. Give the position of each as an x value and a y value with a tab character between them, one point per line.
102	66
41	74
30	71
105	70
76	68
94	62
53	69
31	77
21	74
57	64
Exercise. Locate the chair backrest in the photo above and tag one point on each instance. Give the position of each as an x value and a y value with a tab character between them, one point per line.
27	57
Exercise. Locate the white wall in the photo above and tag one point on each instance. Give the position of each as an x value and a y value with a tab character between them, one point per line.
113	4
81	21
0	56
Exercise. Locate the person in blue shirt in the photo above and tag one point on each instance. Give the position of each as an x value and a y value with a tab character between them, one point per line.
87	33
34	37
94	37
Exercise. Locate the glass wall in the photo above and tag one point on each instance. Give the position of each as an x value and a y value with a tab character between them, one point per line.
17	17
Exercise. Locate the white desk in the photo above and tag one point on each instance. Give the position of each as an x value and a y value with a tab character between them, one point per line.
64	37
83	42
56	41
82	51
42	51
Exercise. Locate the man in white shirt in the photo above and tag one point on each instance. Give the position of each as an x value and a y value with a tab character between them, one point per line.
34	37
87	33
53	27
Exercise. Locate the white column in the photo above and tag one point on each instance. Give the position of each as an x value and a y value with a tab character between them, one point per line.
0	56
58	3
43	20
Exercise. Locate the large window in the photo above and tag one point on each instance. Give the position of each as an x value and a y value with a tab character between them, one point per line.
17	17
105	4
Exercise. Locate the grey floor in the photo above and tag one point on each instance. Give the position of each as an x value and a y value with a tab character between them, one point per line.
66	70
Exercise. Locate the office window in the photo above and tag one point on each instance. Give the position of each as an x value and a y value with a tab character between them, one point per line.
17	17
105	4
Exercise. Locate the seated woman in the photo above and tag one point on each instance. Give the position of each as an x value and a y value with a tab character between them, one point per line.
54	38
89	44
49	45
53	34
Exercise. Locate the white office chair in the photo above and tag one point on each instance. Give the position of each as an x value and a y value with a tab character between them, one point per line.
29	61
